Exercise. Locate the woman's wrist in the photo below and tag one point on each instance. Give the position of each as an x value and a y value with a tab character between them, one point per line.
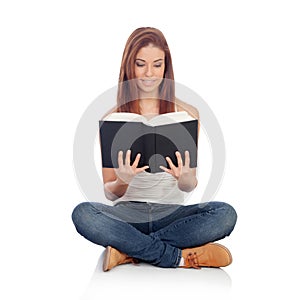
115	189
121	183
187	183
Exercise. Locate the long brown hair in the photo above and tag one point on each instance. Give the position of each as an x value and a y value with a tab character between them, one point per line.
127	98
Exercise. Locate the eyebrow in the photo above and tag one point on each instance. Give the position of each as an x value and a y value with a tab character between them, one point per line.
157	60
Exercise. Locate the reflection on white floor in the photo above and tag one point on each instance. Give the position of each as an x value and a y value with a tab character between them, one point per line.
138	281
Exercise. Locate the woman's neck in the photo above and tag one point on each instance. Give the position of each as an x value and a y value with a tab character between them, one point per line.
149	106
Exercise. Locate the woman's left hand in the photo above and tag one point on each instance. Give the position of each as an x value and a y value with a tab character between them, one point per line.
185	175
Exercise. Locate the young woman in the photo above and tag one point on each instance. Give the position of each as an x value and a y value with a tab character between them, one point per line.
148	221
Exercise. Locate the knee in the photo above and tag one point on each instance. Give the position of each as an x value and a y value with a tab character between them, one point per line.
230	218
80	213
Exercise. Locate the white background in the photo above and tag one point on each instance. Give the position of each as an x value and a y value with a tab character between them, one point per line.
242	57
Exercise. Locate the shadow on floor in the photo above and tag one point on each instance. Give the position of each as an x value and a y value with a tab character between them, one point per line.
143	280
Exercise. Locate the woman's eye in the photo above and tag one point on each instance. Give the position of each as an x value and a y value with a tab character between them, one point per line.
139	64
157	66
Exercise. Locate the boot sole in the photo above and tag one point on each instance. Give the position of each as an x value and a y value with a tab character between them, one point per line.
106	259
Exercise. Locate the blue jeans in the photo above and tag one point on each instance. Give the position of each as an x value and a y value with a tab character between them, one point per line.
154	233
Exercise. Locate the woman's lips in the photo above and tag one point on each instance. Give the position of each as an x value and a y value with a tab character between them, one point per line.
148	82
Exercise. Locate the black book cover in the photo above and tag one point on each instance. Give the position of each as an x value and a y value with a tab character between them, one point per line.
153	142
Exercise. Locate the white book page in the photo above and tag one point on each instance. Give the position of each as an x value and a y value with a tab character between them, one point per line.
163	119
169	118
125	117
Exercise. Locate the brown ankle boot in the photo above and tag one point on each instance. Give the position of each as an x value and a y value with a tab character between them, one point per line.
209	255
113	257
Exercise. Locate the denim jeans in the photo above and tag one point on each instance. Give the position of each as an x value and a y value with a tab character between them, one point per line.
154	233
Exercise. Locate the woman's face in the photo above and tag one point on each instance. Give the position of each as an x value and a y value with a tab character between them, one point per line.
149	69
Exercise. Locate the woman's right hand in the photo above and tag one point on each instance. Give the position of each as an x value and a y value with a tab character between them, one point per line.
125	171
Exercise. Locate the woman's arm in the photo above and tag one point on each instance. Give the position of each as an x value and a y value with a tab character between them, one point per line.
114	188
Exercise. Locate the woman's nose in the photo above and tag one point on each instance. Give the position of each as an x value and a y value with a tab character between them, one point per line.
149	71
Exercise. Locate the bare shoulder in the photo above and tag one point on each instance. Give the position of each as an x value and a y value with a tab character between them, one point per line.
191	110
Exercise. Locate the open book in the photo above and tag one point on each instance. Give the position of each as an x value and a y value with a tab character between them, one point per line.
155	138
